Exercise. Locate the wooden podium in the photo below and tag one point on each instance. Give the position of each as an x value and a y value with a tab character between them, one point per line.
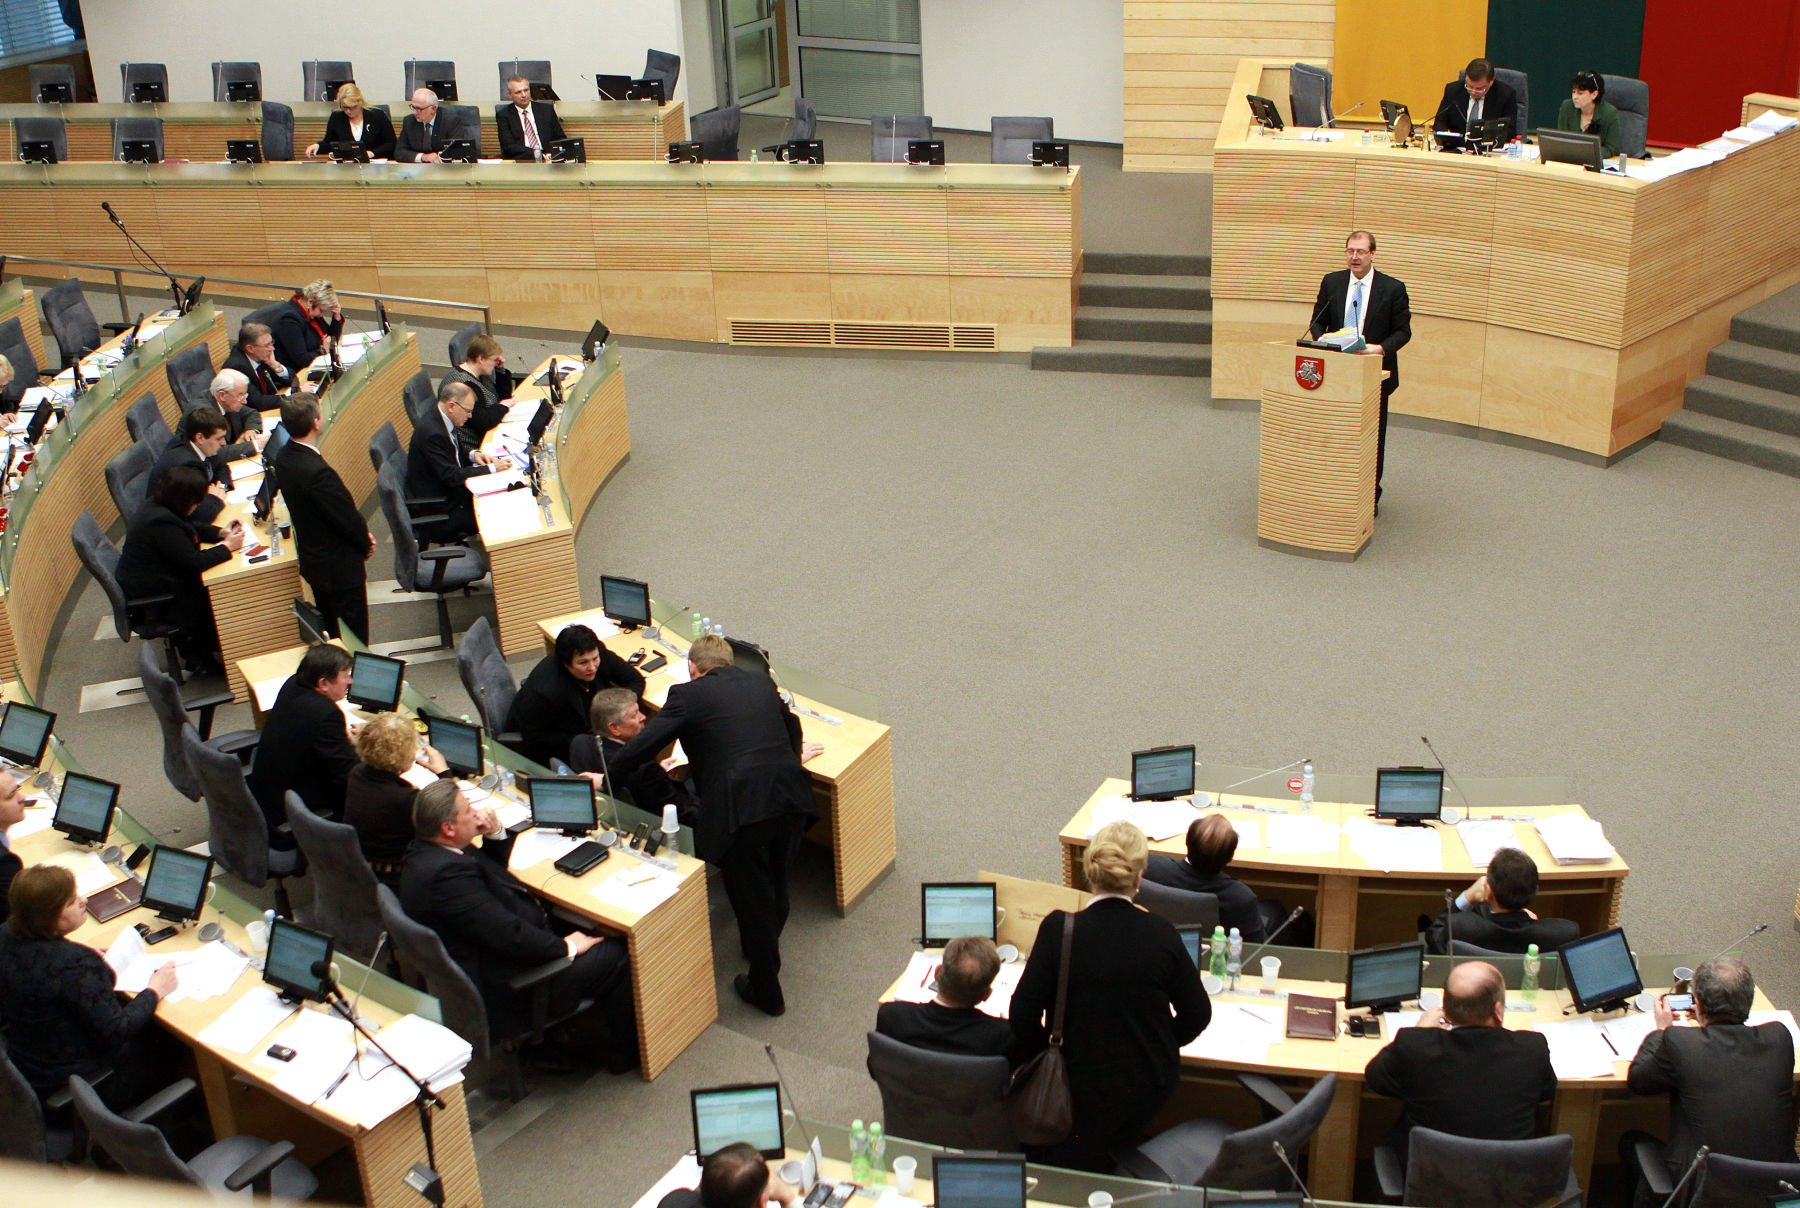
1315	490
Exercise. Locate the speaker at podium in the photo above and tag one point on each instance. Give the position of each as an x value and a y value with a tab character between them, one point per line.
1315	491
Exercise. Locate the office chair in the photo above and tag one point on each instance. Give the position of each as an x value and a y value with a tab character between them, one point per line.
488	681
385	444
72	323
535	71
1631	97
52	73
420	71
265	314
1520	83
439	570
190	373
464	122
803	124
889	135
344	904
133	74
25	1135
946	1099
1721	1182
145	424
1182	907
459	343
661	65
127	477
1211	1153
277	132
1470	1173
237	829
171	714
1013	136
225	74
717	131
1309	96
131	615
420	398
24	362
316	73
52	130
136	129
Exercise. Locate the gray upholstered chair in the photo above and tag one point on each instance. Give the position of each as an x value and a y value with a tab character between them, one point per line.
1520	83
1211	1153
535	71
227	73
889	135
439	570
421	72
1632	99
1309	95
71	320
190	373
661	65
52	73
1013	136
277	132
127	477
803	124
25	1136
234	1165
140	615
52	130
942	1098
459	342
1182	907
1470	1173
136	130
716	130
145	423
344	904
133	74
488	680
316	73
25	367
1721	1182
463	121
419	397
1465	948
385	444
237	831
171	714
265	314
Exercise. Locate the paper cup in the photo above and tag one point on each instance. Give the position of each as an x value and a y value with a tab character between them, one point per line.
1271	971
792	1171
1212	985
1100	1199
904	1168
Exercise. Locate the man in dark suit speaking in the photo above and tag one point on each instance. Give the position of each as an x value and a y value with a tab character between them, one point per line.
330	538
526	126
1477	97
756	798
1376	305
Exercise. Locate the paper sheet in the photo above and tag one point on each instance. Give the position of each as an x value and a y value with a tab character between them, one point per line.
918	983
1774	123
1249	832
599	622
1417	849
1627	1032
91	873
1301	834
244	1025
494	483
1577	1049
267	690
207	972
1485	836
639	890
536	846
1237	1033
1747	134
509	514
37	818
322	1050
1157	819
1573	839
1785	1018
419	776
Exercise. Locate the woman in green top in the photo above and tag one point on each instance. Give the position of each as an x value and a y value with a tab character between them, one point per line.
1585	112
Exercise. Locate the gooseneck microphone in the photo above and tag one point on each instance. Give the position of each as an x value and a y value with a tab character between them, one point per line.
1285	923
1469	810
1281	1152
1754	931
1693	1167
131	240
1449	913
769	1052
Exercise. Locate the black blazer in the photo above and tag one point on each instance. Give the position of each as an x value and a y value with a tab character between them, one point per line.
743	745
1731	1087
931	1025
266	384
1453	111
412	142
377	134
378	805
1470	1082
329	534
297	341
62	1014
180	453
489	410
1502	931
1388	322
163	555
305	748
488	920
10	865
244	420
551	708
648	787
512	129
438	467
1237	901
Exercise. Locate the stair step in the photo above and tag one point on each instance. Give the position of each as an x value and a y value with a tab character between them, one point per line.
1726	438
1743	403
1756	365
1143	324
1126	356
1146	264
1176	292
1769	333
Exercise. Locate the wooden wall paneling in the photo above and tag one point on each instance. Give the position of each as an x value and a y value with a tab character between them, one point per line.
595	445
1442	370
893	231
1025	311
1241	326
776	228
671	305
353	423
9	649
205	226
660	227
204	141
1742	240
1652	379
1279	221
90	140
82	231
890	297
1565	398
1668	277
770	295
1434	229
316	232
1564	236
1009	234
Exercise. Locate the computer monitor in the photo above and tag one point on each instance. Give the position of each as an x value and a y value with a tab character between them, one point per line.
1489	132
626	601
1050	153
948	909
243	90
139	151
926	151
1383	978
725	1115
175	887
24	733
243	151
346	152
1565	147
328	89
1193	938
459	743
967	1181
749	655
1409	796
802	151
190	297
595	342
1162	773
567	151
459	151
149	91
540	422
612	87
445	89
1600	971
375	681
299	962
36	152
543	92
687	153
564	803
1391	111
646	90
84	810
1264	112
56	94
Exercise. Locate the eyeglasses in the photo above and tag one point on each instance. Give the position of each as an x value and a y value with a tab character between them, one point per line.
420	108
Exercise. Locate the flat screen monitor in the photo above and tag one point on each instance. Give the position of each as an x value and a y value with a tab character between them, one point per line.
1264	112
1162	773
139	151
564	803
1410	796
84	811
803	151
150	91
459	743
595	341
1050	153
243	90
243	151
540	422
1194	938
687	153
1564	147
1600	971
56	94
749	655
1391	111
950	909
309	622
1383	978
24	733
459	151
612	87
626	601
445	89
965	1181
175	887
346	152
927	151
190	297
37	152
725	1115
543	92
375	681
299	962
567	151
328	89
646	90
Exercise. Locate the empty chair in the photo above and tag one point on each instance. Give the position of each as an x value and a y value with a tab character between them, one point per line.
128	477
385	444
225	74
419	397
716	130
944	1099
1182	907
1464	948
1721	1182
422	73
72	321
54	74
145	423
25	367
344	904
277	131
1309	95
459	343
661	65
535	71
25	1136
137	130
190	374
171	714
234	1164
801	125
101	558
462	121
237	832
1470	1173
1013	136
1520	83
488	680
440	570
52	130
1632	99
889	135
318	74
133	74
1212	1153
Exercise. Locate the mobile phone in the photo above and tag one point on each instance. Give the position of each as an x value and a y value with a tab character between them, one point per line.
137	857
818	1195
257	558
1680	1002
160	934
638	657
840	1195
281	1052
652	842
655	663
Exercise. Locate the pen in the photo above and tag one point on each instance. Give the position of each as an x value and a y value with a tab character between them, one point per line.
1610	1044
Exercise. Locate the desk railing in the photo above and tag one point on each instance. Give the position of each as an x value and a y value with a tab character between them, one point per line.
1480	793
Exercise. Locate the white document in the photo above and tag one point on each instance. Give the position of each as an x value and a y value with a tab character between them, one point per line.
1158	820
267	690
1774	123
1485	836
91	873
509	812
428	1049
1301	834
419	776
536	846
322	1050
599	622
207	972
1747	134
1725	145
1573	839
1578	1049
1627	1032
1236	1033
494	483
1416	849
37	818
131	962
244	1025
639	890
1785	1018
509	514
1249	832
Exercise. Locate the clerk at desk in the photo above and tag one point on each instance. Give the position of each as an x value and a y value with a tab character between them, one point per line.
1477	97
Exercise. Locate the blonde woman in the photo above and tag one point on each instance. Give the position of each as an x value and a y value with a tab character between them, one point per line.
1134	999
356	122
306	324
377	802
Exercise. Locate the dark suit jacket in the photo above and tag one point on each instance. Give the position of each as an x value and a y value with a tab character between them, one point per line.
244	420
329	534
1237	901
1503	931
1453	111
162	555
1731	1087
181	453
297	342
512	130
62	1014
9	868
265	383
551	708
489	410
304	748
378	805
648	787
1470	1082
413	143
377	133
438	467
743	744
931	1025
1387	323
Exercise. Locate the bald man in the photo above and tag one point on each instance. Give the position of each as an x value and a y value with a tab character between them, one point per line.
1461	1070
425	132
1211	843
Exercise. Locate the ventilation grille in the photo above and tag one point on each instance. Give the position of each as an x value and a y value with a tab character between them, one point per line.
944	337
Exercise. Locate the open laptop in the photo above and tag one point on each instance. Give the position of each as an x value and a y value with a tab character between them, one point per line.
1162	773
971	1181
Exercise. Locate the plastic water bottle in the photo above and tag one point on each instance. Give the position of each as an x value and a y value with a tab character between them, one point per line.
274	539
877	1154
699	628
1528	986
1234	957
1218	951
1306	783
705	627
718	629
859	1152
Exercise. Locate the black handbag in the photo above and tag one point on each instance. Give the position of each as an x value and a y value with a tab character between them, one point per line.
1038	1101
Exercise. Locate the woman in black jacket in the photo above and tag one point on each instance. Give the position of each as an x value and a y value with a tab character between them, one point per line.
163	556
378	801
356	121
1134	1000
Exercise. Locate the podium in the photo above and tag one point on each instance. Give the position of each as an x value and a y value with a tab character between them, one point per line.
1315	492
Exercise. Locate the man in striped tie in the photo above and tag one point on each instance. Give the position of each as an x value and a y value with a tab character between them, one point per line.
1376	305
526	126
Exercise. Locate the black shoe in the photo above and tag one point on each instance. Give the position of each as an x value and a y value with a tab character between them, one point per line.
776	1006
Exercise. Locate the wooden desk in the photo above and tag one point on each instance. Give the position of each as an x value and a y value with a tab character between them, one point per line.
1357	905
1488	248
966	257
853	779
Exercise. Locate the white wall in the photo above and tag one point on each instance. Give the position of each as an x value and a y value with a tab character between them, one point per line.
1064	58
577	36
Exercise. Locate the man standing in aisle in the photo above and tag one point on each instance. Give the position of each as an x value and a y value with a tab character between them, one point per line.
329	534
1376	305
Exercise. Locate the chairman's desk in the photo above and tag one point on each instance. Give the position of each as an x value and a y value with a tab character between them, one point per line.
965	257
1549	303
853	778
1357	905
241	1097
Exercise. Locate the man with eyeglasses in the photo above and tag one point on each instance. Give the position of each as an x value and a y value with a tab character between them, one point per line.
254	357
438	467
424	133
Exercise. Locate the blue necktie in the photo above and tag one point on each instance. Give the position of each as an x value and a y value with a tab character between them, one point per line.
1356	290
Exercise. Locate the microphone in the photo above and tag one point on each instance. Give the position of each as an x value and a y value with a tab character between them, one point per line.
1468	810
1699	1160
1346	113
1258	776
1306	339
174	285
1756	930
769	1052
1449	913
1257	951
1787	1187
1281	1152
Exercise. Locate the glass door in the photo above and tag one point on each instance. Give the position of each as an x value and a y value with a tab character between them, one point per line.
858	58
750	50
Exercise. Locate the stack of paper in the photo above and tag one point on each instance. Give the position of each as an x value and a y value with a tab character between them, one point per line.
242	1027
1417	849
1302	834
1237	1033
1157	819
431	1051
374	1089
1774	123
1784	1018
639	889
1573	839
492	484
322	1051
207	972
599	622
1485	836
1578	1049
1747	134
1627	1032
91	873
